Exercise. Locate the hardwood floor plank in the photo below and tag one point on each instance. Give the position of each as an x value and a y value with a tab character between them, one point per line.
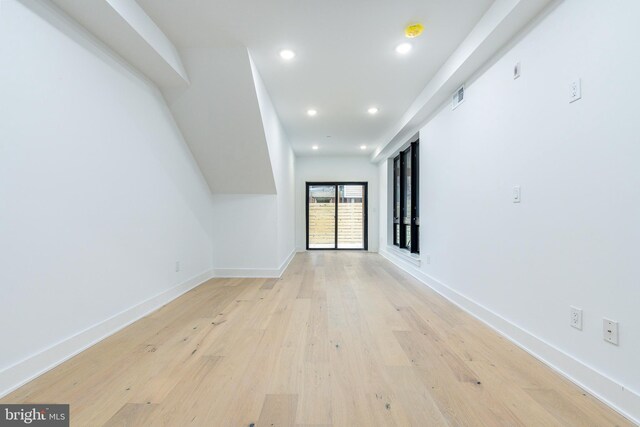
317	337
415	398
269	284
313	405
279	410
131	414
308	283
557	405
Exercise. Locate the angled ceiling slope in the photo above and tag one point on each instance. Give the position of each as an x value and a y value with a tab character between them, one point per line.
125	27
210	91
220	119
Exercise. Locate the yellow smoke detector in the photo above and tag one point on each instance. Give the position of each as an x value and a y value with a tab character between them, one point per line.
413	30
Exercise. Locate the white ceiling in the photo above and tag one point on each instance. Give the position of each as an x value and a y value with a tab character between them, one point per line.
345	59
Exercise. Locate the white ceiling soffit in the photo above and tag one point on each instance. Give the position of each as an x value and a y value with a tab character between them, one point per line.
125	27
219	116
503	20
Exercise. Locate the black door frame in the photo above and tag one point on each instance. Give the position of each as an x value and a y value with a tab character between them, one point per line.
366	214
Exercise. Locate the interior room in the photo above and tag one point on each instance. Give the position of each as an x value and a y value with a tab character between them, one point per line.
300	213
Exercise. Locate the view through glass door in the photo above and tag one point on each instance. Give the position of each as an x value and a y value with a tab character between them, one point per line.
337	215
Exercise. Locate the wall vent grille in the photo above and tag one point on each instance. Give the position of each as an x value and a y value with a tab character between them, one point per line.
458	97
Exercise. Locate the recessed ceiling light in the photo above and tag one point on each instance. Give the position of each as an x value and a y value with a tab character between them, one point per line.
312	112
363	147
373	110
403	48
287	54
315	147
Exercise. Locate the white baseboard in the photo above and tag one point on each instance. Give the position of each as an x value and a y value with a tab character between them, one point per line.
371	250
613	394
255	272
26	370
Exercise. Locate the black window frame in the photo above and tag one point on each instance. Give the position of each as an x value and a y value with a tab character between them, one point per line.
410	157
336	184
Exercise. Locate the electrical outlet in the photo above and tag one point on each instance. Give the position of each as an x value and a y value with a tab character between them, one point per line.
428	259
576	318
575	92
177	266
610	331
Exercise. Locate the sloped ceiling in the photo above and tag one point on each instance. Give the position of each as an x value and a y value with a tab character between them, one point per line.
219	116
125	27
210	91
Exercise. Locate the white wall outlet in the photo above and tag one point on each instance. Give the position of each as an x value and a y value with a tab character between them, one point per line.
576	318
610	331
177	266
575	92
427	259
516	71
515	195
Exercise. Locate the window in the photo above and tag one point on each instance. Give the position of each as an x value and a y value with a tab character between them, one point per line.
396	201
406	219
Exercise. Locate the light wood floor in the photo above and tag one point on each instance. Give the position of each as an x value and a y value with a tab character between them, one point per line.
342	339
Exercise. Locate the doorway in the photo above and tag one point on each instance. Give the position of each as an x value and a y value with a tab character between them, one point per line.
337	215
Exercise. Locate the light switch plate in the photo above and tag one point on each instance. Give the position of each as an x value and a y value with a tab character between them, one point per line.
575	90
516	194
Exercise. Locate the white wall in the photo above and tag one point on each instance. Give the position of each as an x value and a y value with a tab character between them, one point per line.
244	232
283	165
574	238
99	195
254	234
327	168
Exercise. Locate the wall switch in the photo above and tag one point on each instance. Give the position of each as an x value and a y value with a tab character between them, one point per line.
516	71
610	331
177	266
516	194
575	91
576	318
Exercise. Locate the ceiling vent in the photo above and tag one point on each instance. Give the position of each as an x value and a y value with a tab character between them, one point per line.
458	97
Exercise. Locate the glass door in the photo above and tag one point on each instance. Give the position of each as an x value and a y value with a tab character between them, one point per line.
337	215
321	216
351	212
